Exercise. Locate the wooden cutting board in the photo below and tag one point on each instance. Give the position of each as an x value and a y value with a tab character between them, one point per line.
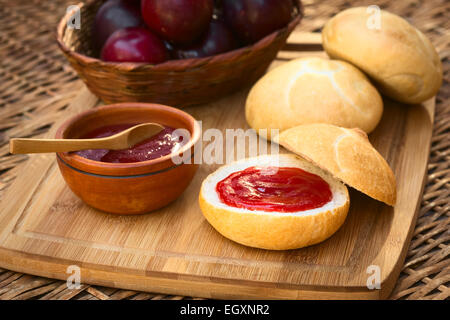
44	227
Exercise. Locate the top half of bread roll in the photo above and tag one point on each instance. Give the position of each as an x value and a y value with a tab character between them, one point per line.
347	154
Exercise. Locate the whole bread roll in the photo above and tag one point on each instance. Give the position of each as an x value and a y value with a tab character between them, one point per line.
395	54
347	154
313	90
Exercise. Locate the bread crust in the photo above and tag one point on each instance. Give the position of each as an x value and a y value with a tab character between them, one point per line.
347	154
399	57
273	230
313	90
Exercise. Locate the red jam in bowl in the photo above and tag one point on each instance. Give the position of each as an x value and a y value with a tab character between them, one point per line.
155	147
280	189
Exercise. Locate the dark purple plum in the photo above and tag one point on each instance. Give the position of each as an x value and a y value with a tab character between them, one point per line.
135	44
252	20
178	21
218	39
114	15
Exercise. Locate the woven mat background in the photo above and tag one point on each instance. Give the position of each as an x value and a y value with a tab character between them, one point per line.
37	84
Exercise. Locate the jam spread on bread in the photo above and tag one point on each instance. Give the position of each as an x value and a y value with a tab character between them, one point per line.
274	189
157	146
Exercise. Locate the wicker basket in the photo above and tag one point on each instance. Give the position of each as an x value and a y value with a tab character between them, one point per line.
177	83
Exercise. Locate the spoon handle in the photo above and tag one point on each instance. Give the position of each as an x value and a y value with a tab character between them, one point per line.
22	146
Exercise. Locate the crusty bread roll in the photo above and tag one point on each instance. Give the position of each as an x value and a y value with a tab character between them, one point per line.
313	90
395	54
274	230
347	154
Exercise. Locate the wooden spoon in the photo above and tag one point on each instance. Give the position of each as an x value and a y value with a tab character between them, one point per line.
119	141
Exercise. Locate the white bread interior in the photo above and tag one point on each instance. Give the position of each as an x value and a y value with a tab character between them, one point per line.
400	58
274	230
313	90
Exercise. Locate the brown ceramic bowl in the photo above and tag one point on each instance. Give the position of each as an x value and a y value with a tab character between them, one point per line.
128	188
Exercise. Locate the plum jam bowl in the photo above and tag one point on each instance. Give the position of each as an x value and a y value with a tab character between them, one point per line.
129	181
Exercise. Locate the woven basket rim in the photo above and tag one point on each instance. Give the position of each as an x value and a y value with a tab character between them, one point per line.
181	64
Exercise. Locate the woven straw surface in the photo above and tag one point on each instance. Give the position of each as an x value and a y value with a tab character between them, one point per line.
36	85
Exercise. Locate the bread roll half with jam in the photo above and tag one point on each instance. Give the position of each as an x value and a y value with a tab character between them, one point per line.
259	227
290	201
313	90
